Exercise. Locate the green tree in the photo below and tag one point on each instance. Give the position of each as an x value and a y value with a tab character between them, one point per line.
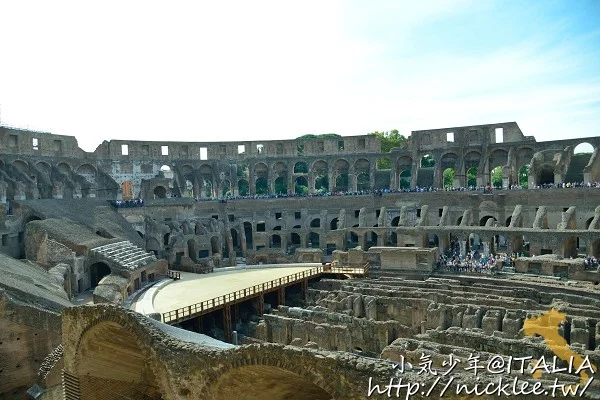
449	178
523	176
427	161
497	177
321	136
472	177
301	189
388	140
243	187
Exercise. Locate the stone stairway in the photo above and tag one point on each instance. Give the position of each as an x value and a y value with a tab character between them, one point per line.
126	254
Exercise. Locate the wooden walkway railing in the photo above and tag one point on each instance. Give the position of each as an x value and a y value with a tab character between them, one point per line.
194	310
185	313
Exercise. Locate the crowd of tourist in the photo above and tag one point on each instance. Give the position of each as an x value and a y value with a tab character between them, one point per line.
475	262
127	203
591	262
380	192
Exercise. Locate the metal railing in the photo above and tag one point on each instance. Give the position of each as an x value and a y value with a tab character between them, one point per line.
185	313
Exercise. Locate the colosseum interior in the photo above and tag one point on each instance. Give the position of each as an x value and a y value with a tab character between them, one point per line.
91	239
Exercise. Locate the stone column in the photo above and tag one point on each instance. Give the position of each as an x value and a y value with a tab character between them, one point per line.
311	183
463	247
3	186
372	179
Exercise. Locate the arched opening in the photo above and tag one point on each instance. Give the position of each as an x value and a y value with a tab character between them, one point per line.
405	179
265	382
276	241
295	239
396	221
235	238
208	192
160	192
334	224
448	175
570	247
98	271
189	189
165	172
226	188
262	186
215	246
583	148
472	177
484	220
99	348
500	243
580	159
315	223
588	223
166	239
300	168
393	239
243	187
301	185
524	176
433	240
363	182
341	183
508	221
546	176
496	177
459	220
153	246
321	184
596	249
427	161
313	240
104	233
281	185
191	243
248	234
474	242
353	239
371	239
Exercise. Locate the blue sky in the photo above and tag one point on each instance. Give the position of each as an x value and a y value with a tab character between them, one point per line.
234	71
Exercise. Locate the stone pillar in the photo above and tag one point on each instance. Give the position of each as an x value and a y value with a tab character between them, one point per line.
331	181
372	178
486	247
3	186
463	247
353	182
311	183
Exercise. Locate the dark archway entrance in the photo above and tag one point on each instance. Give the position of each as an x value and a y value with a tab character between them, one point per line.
98	271
160	192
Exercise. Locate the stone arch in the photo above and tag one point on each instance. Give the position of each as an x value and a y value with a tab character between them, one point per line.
98	346
243	187
295	239
333	225
226	188
523	176
267	382
405	177
98	270
21	165
483	221
395	221
44	167
362	165
206	176
281	185
498	158
363	181
301	185
300	168
546	175
341	168
315	223
262	185
433	240
160	192
449	160
64	168
314	239
582	155
276	241
215	246
471	177
320	170
153	246
448	176
584	147
86	169
371	239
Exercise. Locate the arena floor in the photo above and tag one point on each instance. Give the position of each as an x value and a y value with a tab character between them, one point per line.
195	288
